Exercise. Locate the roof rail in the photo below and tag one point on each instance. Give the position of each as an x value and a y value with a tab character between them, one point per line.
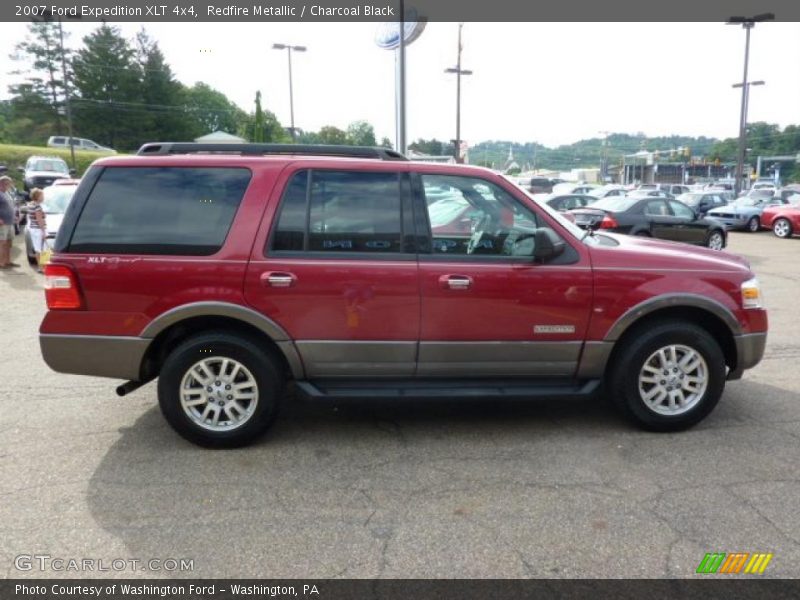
165	148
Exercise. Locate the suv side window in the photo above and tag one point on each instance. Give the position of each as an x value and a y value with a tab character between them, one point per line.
340	211
160	210
478	218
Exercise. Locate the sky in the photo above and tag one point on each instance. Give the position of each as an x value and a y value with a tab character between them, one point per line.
552	83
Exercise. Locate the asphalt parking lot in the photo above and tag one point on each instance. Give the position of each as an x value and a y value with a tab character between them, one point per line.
549	488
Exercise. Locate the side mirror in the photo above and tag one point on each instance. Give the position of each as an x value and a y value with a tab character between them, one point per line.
547	244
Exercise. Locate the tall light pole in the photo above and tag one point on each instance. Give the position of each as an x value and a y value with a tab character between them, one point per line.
459	72
604	157
747	23
289	49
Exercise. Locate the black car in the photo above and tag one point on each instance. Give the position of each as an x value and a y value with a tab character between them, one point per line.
565	202
662	218
702	202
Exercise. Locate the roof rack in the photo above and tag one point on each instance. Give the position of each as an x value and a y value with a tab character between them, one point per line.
165	148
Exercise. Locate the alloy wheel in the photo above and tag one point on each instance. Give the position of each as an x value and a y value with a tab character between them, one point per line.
673	380
716	241
782	228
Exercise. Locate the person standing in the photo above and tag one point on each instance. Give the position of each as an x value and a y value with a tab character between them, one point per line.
37	225
6	223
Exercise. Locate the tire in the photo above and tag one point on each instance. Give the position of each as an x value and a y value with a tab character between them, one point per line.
643	233
256	372
716	240
753	224
782	228
639	358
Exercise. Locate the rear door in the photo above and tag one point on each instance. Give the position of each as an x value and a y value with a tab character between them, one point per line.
337	269
663	224
688	227
488	309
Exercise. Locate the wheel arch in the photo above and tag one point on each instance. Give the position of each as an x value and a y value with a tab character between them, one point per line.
177	325
704	312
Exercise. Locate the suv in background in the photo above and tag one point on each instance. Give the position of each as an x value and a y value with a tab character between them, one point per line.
227	270
41	171
59	141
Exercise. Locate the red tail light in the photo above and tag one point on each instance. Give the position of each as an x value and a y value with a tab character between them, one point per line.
608	222
61	288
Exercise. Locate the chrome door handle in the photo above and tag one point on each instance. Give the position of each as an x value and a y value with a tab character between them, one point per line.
278	279
455	282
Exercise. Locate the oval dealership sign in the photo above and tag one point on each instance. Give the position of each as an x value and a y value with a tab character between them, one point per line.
388	34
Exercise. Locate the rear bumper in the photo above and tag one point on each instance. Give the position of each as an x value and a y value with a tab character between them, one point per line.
749	352
98	355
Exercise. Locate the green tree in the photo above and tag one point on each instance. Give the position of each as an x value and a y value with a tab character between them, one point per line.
387	143
41	57
107	80
211	111
263	126
361	133
332	135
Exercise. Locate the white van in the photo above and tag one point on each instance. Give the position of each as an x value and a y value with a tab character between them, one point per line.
59	141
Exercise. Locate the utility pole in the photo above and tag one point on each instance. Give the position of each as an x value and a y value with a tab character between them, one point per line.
67	106
747	23
604	157
459	72
289	49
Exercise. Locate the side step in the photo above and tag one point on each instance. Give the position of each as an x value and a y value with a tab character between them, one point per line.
437	388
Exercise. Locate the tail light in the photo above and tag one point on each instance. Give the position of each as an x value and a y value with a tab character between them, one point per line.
608	222
61	288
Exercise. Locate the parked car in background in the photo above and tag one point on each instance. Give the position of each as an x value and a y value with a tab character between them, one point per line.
607	191
662	218
56	200
41	171
783	220
565	202
646	193
702	202
62	141
537	185
745	212
764	184
789	192
574	188
675	189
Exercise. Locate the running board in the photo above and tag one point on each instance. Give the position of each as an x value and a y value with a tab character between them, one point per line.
416	389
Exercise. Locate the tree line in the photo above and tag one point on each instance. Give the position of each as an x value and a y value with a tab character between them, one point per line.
123	93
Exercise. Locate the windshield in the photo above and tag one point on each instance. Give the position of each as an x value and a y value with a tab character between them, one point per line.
615	203
57	197
53	165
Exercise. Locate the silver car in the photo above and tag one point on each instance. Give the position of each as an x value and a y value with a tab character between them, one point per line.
745	212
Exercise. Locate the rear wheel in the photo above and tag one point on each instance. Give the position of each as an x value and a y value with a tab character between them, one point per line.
668	376
753	225
782	228
716	240
643	233
220	390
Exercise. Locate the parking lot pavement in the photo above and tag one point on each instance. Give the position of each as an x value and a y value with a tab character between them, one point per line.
552	488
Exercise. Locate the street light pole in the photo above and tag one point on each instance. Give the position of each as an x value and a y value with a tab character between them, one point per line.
289	49
459	72
747	23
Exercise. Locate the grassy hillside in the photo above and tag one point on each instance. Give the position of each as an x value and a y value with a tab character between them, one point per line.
13	156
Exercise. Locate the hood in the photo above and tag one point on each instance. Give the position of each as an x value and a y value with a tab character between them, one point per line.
50	174
661	254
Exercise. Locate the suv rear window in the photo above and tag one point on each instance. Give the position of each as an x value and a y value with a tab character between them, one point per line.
160	210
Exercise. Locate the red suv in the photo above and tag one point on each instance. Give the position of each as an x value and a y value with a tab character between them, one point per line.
227	270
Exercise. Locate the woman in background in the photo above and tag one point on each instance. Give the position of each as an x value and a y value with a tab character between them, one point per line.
37	225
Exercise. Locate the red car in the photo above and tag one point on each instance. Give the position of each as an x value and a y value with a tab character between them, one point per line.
783	220
226	271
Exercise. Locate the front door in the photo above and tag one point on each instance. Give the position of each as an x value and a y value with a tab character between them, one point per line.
489	310
338	272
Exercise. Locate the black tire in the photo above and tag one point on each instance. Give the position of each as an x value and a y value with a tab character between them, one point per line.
713	235
753	224
643	233
784	226
262	365
630	359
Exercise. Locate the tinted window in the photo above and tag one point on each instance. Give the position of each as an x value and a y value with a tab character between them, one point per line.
160	210
340	211
656	208
681	210
58	140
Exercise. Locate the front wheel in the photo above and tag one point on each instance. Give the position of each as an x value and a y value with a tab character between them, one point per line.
753	225
716	240
220	390
668	376
782	228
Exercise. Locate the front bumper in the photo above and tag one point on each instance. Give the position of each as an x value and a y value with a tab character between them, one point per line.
749	352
